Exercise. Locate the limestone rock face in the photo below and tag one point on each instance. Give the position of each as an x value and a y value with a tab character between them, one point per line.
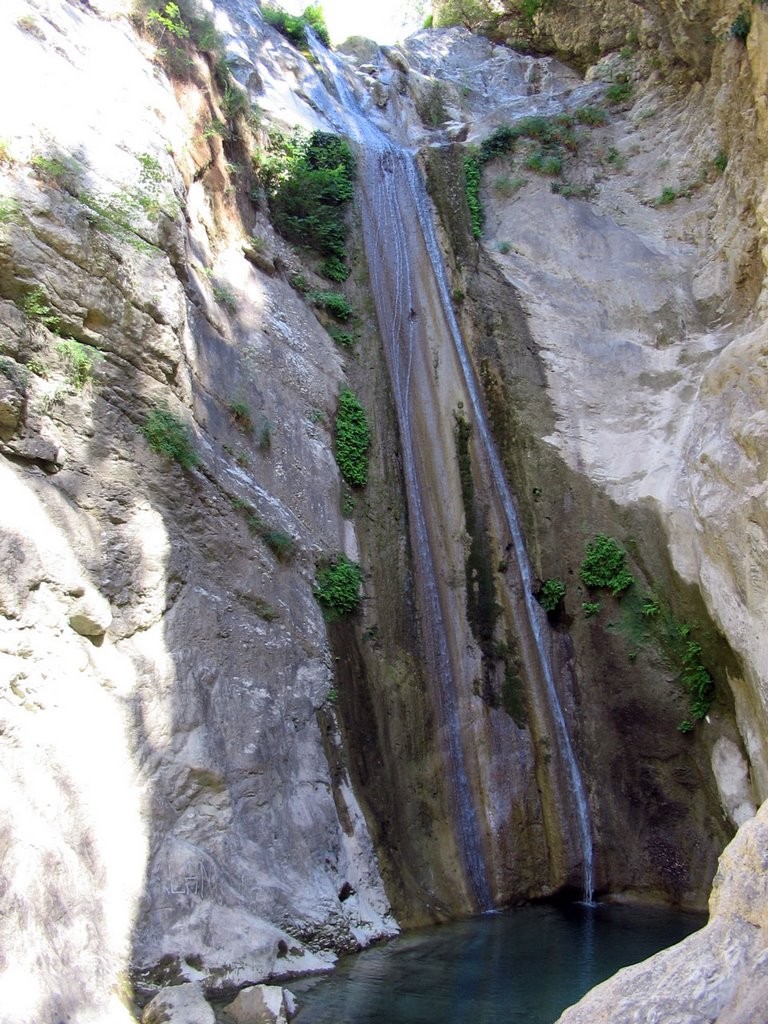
719	974
181	785
169	805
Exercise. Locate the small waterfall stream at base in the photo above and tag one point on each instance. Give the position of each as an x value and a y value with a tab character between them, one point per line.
397	224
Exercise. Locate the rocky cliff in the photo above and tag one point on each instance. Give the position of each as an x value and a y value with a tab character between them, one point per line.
208	781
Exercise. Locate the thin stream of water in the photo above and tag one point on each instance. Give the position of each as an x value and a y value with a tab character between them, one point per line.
392	189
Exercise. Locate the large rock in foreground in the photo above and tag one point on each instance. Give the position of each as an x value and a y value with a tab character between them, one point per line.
719	975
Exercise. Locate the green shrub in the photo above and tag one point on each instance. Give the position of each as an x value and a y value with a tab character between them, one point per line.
81	359
294	26
333	302
472	187
650	608
344	338
9	210
337	587
241	414
720	161
740	26
168	436
619	92
214	127
353	439
55	169
167	20
309	180
668	195
551	594
590	608
615	158
507	186
225	297
592	116
35	307
281	544
570	191
603	566
544	162
234	101
264	435
334	269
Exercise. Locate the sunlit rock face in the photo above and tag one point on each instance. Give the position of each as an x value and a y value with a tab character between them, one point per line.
166	729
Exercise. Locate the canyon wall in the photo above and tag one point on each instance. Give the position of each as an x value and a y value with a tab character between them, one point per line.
209	782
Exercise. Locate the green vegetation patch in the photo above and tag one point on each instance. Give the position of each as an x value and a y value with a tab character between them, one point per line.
549	141
241	414
337	587
472	174
604	566
740	26
80	359
35	307
647	619
618	92
309	180
551	594
294	26
344	338
168	436
353	439
117	214
332	302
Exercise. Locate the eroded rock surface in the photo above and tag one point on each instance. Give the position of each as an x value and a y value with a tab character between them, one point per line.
170	803
180	797
719	974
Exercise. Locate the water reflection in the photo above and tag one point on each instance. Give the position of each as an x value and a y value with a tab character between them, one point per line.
517	967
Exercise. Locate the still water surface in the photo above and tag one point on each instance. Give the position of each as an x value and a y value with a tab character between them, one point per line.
521	966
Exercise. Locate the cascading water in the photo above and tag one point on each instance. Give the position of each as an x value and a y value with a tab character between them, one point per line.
395	207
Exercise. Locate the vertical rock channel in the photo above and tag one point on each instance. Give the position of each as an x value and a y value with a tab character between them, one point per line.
419	328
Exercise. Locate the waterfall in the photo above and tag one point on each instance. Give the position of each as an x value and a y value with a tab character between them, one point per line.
395	208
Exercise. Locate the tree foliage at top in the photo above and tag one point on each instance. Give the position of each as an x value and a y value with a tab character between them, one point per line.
485	16
294	26
472	14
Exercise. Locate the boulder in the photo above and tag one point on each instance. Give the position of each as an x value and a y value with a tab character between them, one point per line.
261	1004
718	975
90	615
179	1004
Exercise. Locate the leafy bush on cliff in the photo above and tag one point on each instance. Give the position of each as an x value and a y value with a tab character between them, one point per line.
309	180
168	436
294	26
551	594
353	438
337	587
332	302
472	181
604	566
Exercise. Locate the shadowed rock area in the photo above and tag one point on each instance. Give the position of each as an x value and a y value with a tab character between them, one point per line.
208	784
